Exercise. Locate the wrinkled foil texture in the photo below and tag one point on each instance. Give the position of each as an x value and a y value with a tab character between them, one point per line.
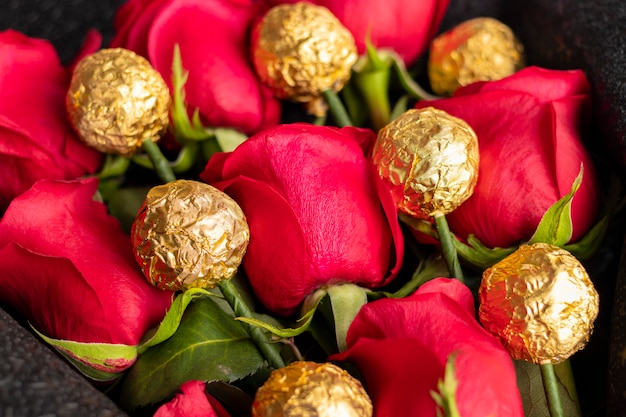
116	100
480	49
303	389
540	302
301	50
429	160
189	234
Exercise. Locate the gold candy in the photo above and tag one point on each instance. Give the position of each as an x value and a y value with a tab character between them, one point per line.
116	100
189	234
301	50
429	160
540	302
309	389
480	49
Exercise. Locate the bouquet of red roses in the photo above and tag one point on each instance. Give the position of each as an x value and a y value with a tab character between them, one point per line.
316	211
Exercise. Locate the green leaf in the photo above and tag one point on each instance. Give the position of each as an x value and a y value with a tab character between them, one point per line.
228	139
209	345
185	129
97	361
174	315
446	396
346	301
478	255
555	227
533	395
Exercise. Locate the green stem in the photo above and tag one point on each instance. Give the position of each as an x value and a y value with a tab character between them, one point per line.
447	247
551	387
337	108
267	349
114	166
161	164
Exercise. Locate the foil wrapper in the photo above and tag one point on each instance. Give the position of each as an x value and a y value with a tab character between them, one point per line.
189	234
116	100
301	50
480	49
305	388
429	160
540	302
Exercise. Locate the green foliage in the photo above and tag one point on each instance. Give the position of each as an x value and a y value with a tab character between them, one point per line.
208	345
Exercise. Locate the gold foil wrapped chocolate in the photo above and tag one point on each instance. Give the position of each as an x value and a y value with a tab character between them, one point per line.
189	234
429	160
540	302
116	100
311	389
301	50
480	49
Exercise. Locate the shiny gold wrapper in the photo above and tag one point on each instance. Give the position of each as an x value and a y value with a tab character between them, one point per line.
301	50
540	302
429	160
480	49
307	389
116	100
189	234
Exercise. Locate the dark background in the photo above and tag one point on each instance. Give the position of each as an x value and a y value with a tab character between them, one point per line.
558	34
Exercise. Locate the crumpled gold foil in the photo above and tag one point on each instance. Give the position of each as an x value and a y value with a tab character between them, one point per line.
116	100
429	160
480	49
540	302
306	389
301	50
189	234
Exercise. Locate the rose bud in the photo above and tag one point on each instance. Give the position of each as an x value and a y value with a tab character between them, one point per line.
192	401
322	389
402	346
405	26
480	49
530	128
36	139
429	161
188	234
302	50
540	302
68	268
116	101
214	46
318	213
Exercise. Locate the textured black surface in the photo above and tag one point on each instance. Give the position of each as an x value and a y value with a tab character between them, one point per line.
559	34
34	381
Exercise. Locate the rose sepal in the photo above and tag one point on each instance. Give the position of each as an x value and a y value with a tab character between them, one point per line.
103	362
445	397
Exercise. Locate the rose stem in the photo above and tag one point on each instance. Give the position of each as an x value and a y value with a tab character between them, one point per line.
551	388
337	108
161	164
232	295
447	247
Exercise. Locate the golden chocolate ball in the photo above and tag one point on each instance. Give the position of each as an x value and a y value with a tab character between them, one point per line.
480	49
309	389
189	234
540	302
429	160
116	100
301	50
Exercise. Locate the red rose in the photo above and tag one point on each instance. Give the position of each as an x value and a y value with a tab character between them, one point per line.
192	401
214	46
529	129
36	139
318	214
405	26
401	347
68	267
